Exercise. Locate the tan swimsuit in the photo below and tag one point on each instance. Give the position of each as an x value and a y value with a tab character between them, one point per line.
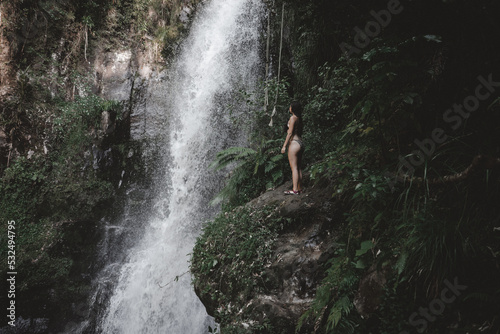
298	140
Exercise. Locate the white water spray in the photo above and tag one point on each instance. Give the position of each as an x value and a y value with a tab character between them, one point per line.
219	56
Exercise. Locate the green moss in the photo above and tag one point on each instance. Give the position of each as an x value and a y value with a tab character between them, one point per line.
230	257
47	193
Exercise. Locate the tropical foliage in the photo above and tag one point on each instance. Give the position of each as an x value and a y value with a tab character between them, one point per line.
232	255
426	209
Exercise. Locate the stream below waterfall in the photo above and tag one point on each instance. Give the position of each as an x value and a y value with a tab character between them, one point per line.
145	286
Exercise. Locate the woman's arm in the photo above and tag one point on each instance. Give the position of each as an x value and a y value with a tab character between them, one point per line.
289	133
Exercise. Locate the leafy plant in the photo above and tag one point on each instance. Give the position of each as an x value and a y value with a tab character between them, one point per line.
332	305
254	170
230	256
432	249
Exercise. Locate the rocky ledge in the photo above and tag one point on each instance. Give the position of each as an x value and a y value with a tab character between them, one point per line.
286	286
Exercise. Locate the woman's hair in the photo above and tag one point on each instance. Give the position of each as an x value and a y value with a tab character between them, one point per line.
297	111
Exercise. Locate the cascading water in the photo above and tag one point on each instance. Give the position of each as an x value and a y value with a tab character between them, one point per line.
219	56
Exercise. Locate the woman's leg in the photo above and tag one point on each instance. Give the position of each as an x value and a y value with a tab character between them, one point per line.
293	159
299	167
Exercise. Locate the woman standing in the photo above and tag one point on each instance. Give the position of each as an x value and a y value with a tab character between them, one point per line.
295	147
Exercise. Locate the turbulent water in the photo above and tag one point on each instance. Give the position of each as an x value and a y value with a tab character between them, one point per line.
150	290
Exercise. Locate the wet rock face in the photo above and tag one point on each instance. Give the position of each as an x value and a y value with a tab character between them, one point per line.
25	326
7	73
115	76
370	291
299	257
116	70
295	274
128	78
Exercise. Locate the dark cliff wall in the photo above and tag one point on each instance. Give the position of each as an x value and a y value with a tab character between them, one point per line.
73	76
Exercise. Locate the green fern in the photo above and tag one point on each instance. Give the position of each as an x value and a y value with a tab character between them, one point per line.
485	297
342	307
334	298
231	155
253	170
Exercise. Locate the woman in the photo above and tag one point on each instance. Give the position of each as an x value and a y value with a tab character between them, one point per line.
295	147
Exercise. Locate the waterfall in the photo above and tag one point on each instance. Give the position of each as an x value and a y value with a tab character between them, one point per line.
151	292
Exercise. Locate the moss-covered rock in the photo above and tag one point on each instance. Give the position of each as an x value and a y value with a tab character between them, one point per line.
67	96
257	268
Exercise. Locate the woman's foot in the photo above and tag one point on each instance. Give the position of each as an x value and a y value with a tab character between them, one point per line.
292	192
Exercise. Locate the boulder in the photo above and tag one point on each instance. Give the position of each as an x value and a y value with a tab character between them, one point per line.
370	291
299	256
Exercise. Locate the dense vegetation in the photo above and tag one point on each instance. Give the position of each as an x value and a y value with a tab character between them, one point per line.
404	125
63	147
53	181
231	258
395	123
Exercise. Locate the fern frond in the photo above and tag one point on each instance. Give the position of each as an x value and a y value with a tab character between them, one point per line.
401	263
339	312
269	167
272	144
230	155
277	158
277	175
481	296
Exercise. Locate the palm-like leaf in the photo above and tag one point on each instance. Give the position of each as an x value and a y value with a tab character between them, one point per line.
232	155
263	163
